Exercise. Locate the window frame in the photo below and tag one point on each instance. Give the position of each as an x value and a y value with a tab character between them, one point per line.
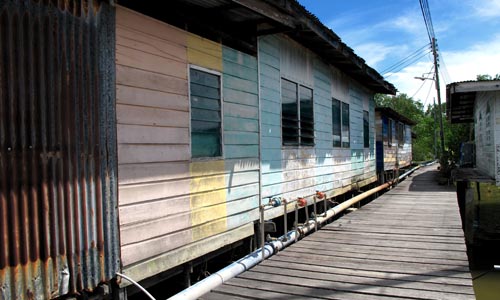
366	129
221	102
299	142
401	134
389	132
342	144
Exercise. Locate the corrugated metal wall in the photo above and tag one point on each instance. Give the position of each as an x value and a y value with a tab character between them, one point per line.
58	215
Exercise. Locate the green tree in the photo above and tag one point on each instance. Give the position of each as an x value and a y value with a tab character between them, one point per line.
485	77
423	145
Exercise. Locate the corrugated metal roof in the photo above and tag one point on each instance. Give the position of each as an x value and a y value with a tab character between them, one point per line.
58	216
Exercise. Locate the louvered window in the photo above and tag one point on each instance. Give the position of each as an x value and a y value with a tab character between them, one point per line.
206	120
297	115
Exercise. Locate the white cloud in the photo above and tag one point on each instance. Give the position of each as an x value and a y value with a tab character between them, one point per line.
461	65
487	8
406	22
373	53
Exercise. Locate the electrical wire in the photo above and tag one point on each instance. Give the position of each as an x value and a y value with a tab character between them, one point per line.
423	82
427	97
409	63
408	57
444	71
426	13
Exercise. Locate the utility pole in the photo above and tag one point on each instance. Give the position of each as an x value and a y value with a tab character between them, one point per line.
436	81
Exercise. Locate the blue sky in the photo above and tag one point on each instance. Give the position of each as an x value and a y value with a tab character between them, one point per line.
384	32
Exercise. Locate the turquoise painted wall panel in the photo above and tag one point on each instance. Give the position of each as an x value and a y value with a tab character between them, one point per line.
270	81
372	127
271	93
271	142
236	83
243	218
240	71
241	151
272	178
325	136
272	190
271	166
244	204
239	58
269	45
270	118
238	192
240	97
322	115
236	124
268	59
241	138
241	111
271	130
270	106
269	71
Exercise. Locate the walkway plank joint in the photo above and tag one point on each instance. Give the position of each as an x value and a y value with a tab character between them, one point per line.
406	244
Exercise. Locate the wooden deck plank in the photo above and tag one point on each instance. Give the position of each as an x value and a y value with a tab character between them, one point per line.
407	244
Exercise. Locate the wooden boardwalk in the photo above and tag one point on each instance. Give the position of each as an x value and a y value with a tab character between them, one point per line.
407	244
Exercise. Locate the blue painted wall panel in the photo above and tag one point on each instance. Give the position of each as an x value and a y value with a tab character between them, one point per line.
270	93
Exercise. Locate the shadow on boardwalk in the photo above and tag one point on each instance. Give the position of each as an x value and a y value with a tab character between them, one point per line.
427	182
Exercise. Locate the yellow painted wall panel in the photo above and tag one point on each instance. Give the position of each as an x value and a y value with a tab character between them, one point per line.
204	53
209	229
202	204
207	198
207	214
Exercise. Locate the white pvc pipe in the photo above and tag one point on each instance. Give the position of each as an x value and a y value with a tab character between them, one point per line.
206	285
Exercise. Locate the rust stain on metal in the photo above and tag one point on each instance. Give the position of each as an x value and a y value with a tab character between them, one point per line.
55	115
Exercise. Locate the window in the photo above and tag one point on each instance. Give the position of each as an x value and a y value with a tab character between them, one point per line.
366	129
389	132
340	124
345	126
401	134
297	117
336	123
206	121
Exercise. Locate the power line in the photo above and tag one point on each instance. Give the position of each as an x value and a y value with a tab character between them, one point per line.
444	70
428	93
423	82
408	57
409	63
426	13
424	5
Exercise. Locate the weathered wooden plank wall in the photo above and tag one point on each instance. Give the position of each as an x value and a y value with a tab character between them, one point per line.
270	94
388	157
484	114
362	159
153	136
174	209
324	153
342	167
293	172
406	157
496	101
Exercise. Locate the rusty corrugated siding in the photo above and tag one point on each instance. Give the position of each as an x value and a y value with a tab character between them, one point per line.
58	214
